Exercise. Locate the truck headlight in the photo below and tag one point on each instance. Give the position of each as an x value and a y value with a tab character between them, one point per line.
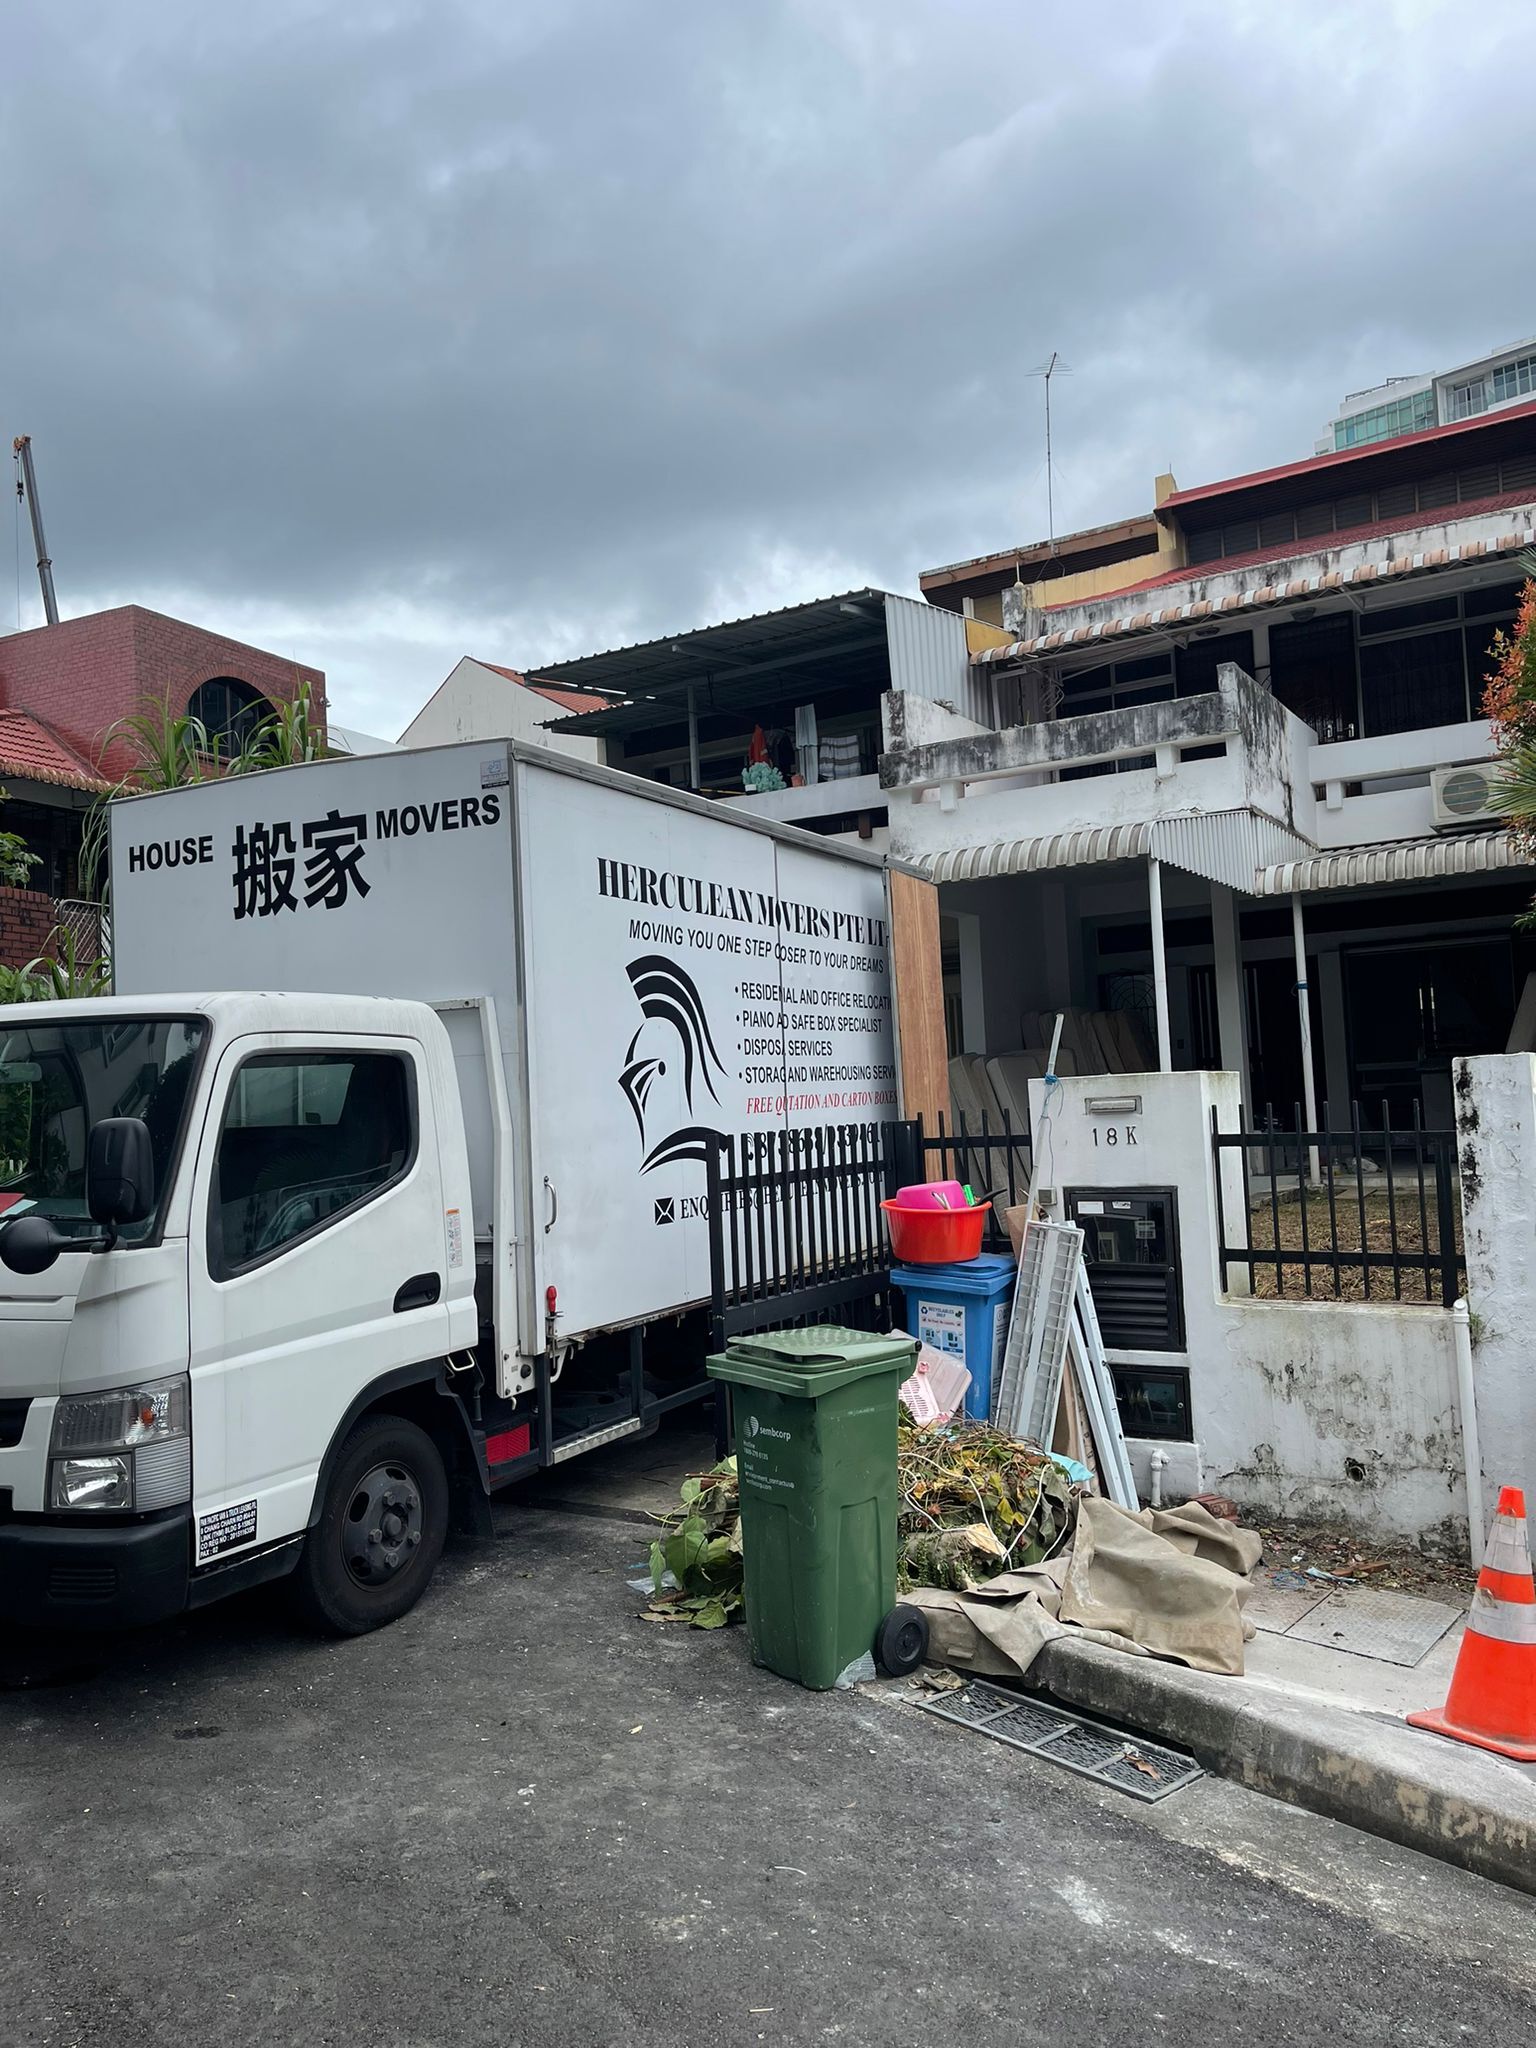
92	1483
127	1449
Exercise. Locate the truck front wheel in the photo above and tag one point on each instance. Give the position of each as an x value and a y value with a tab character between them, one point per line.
381	1530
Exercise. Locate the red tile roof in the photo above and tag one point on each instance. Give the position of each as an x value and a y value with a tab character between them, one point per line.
1343	456
1317	544
31	753
568	700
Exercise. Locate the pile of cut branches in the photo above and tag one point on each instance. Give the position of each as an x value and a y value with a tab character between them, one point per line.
974	1503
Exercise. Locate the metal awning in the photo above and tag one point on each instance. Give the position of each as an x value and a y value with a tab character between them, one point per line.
1409	860
740	667
1228	847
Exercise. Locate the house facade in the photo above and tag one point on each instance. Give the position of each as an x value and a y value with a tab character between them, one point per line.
481	700
64	692
1245	798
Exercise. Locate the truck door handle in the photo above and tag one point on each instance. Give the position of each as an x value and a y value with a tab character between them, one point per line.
554	1205
419	1292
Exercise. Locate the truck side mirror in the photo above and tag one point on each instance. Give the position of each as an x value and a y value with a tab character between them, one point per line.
119	1171
30	1244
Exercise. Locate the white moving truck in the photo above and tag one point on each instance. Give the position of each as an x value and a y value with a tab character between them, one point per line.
293	1273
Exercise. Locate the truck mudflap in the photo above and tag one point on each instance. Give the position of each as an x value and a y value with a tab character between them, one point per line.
123	1576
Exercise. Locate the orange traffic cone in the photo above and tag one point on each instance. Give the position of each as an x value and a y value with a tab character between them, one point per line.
1492	1700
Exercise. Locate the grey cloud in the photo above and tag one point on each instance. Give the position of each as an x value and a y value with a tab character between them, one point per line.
560	323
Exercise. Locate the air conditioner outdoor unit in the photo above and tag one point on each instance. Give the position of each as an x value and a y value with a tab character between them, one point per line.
1460	796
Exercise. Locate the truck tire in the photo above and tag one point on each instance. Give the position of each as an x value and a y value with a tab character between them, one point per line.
381	1530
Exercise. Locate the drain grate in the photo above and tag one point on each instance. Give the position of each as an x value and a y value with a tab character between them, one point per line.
1146	1770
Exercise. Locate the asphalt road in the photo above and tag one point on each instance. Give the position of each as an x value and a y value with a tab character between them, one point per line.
523	1816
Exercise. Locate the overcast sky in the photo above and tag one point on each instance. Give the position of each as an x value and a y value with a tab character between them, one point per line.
384	333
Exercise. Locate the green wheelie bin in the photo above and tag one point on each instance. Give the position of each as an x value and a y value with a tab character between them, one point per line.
815	1413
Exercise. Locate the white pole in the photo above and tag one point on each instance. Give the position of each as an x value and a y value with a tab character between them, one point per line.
1466	1401
1304	1014
693	741
1159	968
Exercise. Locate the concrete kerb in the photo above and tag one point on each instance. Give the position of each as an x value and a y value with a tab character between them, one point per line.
1464	1805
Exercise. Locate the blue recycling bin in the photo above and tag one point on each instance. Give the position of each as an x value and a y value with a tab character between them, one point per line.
962	1310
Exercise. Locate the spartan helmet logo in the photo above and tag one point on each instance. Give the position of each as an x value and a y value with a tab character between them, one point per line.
671	1064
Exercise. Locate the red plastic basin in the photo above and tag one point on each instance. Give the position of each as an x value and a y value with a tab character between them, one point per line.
934	1237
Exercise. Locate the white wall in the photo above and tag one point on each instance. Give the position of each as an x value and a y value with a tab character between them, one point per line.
477	703
1496	1137
1341	1410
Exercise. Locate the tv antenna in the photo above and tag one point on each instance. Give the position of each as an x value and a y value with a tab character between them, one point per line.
1054	368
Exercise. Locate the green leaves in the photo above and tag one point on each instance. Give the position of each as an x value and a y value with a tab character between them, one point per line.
700	1548
15	861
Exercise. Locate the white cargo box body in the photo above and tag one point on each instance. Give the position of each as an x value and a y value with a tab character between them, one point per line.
652	967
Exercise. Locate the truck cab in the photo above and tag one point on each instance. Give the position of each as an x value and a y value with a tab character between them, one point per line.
237	1305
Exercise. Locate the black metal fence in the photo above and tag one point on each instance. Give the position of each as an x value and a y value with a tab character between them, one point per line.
990	1160
1368	1213
795	1229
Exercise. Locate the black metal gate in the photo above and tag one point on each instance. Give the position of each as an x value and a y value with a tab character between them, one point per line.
795	1229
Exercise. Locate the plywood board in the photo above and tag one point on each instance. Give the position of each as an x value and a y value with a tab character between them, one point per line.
917	974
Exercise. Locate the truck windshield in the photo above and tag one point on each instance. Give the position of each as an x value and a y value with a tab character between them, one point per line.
57	1080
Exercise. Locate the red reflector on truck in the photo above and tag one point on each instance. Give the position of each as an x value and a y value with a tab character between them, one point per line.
510	1444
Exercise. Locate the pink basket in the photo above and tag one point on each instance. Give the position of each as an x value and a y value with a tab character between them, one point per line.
926	1194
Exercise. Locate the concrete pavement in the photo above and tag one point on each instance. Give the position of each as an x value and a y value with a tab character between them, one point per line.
523	1816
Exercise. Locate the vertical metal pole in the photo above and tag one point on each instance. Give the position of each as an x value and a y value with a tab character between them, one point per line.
693	739
717	1283
1227	959
22	447
1445	1220
1304	1013
1159	967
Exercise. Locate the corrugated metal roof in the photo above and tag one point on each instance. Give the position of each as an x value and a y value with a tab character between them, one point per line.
1228	847
31	753
1408	860
1143	617
734	666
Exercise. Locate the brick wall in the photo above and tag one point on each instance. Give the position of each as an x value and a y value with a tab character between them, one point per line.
26	920
83	675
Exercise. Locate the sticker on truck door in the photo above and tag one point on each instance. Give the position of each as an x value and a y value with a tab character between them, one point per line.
225	1529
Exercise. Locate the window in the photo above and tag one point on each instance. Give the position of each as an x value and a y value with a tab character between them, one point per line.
57	1080
1514	380
1417	681
1467	400
1196	664
1401	618
1312	673
307	1137
1382	422
230	712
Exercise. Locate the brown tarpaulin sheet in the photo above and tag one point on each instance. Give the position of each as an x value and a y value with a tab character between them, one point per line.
1168	1582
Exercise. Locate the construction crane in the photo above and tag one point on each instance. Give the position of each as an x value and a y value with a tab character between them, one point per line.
26	487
